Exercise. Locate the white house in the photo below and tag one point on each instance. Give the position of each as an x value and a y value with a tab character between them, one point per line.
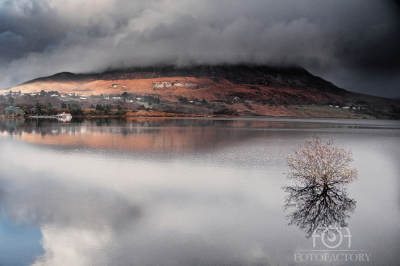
163	84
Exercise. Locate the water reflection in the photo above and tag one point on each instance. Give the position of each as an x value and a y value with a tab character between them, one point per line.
95	210
220	206
318	206
158	134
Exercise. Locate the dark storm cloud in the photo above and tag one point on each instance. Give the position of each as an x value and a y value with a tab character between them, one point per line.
337	40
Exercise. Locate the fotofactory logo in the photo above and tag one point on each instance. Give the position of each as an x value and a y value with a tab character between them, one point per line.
332	244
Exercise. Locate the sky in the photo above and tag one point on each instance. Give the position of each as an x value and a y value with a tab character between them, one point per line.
355	44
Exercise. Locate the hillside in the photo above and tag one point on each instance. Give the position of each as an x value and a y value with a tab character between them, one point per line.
239	89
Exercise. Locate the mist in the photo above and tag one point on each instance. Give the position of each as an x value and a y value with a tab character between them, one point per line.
353	44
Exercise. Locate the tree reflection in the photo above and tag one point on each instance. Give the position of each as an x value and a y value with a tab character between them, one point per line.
318	198
318	206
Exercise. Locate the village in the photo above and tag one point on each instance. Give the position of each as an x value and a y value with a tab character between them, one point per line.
51	104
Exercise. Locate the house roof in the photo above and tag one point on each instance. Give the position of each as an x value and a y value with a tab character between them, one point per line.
11	108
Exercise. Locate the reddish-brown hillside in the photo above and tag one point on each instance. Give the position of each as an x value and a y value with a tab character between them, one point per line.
257	90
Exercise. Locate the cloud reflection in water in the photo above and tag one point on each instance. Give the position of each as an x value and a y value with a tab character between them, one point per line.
93	209
219	204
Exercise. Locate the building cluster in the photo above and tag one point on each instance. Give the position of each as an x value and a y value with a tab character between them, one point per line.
11	112
13	93
166	84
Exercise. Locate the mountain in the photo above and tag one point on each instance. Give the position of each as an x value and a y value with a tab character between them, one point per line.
243	89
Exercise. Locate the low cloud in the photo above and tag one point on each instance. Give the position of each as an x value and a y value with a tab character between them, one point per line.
39	38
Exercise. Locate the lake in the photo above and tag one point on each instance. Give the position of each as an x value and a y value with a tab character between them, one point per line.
207	191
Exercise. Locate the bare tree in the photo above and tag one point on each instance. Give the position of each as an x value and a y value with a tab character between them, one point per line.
322	164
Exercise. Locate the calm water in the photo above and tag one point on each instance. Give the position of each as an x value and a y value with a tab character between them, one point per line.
186	192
